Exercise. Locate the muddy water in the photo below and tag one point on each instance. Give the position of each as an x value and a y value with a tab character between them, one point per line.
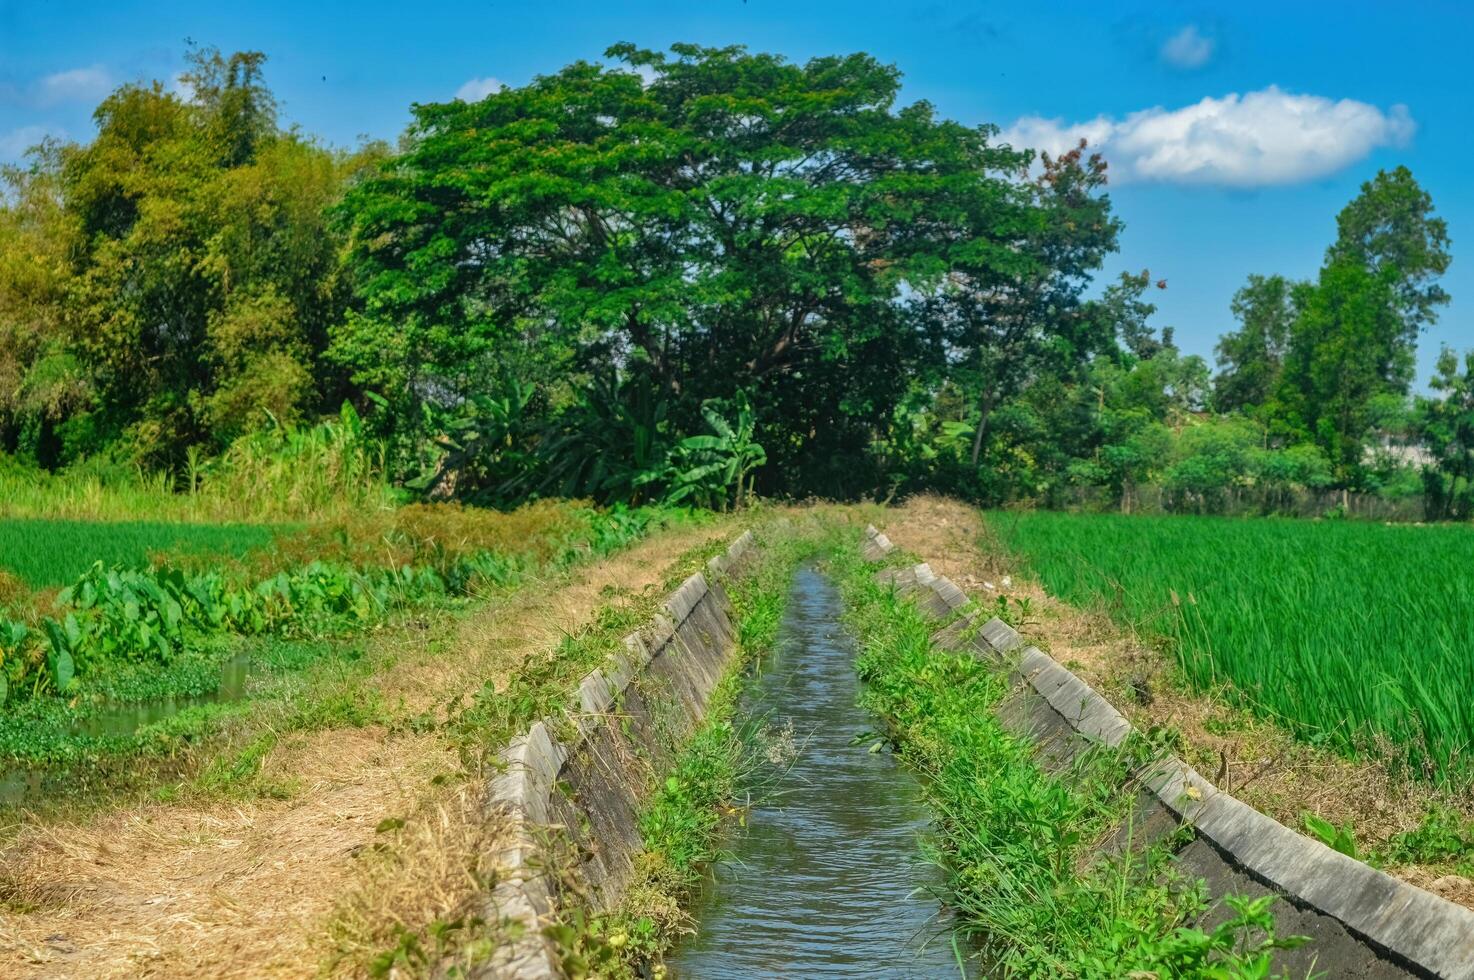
825	880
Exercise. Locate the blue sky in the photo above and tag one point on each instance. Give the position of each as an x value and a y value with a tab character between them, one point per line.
1211	187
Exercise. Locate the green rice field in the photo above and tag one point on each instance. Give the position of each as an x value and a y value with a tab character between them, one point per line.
54	552
1359	636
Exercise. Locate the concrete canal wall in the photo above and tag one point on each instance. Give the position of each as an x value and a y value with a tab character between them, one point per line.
1362	923
570	790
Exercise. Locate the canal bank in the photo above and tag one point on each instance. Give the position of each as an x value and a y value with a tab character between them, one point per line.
1061	848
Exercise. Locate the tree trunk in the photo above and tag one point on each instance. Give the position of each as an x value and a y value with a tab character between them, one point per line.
984	410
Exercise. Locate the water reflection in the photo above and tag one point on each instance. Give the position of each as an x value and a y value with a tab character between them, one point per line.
20	785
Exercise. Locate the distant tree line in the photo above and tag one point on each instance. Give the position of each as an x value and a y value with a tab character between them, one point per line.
681	276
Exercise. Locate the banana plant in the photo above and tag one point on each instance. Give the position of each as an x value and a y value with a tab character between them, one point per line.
707	468
478	441
612	446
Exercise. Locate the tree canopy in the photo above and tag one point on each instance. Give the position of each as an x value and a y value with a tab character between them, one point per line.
685	274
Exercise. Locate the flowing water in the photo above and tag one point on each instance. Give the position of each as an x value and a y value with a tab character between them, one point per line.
825	880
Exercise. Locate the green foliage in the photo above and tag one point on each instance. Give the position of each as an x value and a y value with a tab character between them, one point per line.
1310	624
559	289
113	616
1389	230
1446	424
201	279
1444	836
612	445
702	229
710	470
52	552
1253	356
1341	839
1346	347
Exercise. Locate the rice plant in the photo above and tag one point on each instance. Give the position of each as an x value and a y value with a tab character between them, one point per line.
54	552
1354	635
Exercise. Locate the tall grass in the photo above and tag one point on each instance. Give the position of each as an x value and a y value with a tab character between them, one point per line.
1357	636
282	474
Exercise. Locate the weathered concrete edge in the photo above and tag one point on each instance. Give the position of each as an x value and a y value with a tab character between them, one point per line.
531	763
1426	931
876	545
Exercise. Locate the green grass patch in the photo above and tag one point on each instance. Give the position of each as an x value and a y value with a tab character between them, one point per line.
1017	846
1355	636
46	553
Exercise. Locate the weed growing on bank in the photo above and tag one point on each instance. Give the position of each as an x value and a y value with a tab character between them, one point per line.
1017	845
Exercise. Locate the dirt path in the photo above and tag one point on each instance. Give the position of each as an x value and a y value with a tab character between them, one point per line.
1257	762
268	887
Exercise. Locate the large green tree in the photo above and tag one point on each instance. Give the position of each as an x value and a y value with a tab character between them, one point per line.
1252	357
709	219
1390	230
1010	307
41	381
1445	422
1346	350
189	277
1353	341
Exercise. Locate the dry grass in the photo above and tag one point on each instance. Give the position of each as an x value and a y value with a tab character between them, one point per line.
429	876
435	533
1251	758
223	890
263	887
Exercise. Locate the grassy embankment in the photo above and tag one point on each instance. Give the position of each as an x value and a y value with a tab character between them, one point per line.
142	633
405	916
1018	846
336	814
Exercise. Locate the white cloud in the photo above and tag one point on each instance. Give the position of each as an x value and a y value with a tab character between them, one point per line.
77	84
1187	49
477	89
14	144
1254	140
180	88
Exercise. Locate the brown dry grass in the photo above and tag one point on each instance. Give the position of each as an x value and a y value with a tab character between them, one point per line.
1251	758
266	887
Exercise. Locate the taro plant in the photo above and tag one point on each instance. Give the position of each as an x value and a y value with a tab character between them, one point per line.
12	654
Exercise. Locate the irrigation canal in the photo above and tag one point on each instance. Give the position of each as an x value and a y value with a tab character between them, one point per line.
825	880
